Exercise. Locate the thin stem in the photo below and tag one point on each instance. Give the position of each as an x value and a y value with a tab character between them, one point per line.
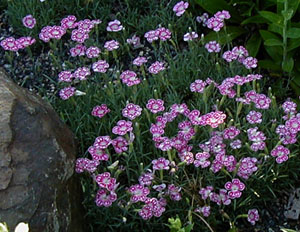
205	222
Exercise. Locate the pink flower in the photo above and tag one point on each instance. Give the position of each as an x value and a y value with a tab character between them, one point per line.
240	52
29	21
196	119
84	164
114	26
156	67
205	210
198	86
250	62
85	25
56	32
214	119
174	192
66	93
163	33
146	178
247	167
155	106
236	144
139	61
129	78
201	160
215	23
92	52
289	106
254	117
224	14
151	36
229	56
160	164
100	66
81	73
44	34
213	46
10	44
139	193
131	111
206	192
120	144
105	181
231	132
146	212
293	125
78	50
180	8
135	41
100	111
202	19
68	22
98	153
235	188
262	101
251	95
122	127
24	42
79	35
102	142
105	199
253	216
65	76
190	36
111	45
180	109
281	153
186	130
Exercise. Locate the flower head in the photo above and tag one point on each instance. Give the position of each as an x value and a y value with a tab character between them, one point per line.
129	78
253	216
67	92
156	67
131	111
155	106
29	21
100	66
122	127
235	188
100	111
161	164
180	8
114	26
111	45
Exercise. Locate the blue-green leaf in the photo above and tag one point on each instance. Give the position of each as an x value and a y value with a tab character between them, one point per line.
272	17
288	65
253	44
293	33
273	42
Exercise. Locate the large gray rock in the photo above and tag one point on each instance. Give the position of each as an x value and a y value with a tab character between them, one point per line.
37	156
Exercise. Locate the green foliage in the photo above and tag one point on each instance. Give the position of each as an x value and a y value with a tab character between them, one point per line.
267	24
175	225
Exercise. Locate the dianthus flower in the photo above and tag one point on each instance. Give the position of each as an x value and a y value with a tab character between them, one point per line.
79	35
103	198
84	164
262	101
156	132
129	78
92	52
135	41
215	23
205	210
67	92
139	193
114	26
201	160
281	153
186	130
213	46
81	73
146	178
120	144
85	25
202	19
247	167
68	22
131	111
206	192
241	53
155	105
156	67
163	33
250	62
122	127
174	192
214	119
78	50
180	109
231	132
10	44
293	124
229	56
44	34
164	144
105	181
100	111
139	61
111	45
190	36
65	76
235	188
100	66
236	144
161	164
151	36
187	157
24	42
253	216
289	107
224	14
56	32
29	21
196	119
98	154
180	8
198	86
102	142
254	117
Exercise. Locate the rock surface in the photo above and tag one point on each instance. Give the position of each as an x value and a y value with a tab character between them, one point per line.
37	156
